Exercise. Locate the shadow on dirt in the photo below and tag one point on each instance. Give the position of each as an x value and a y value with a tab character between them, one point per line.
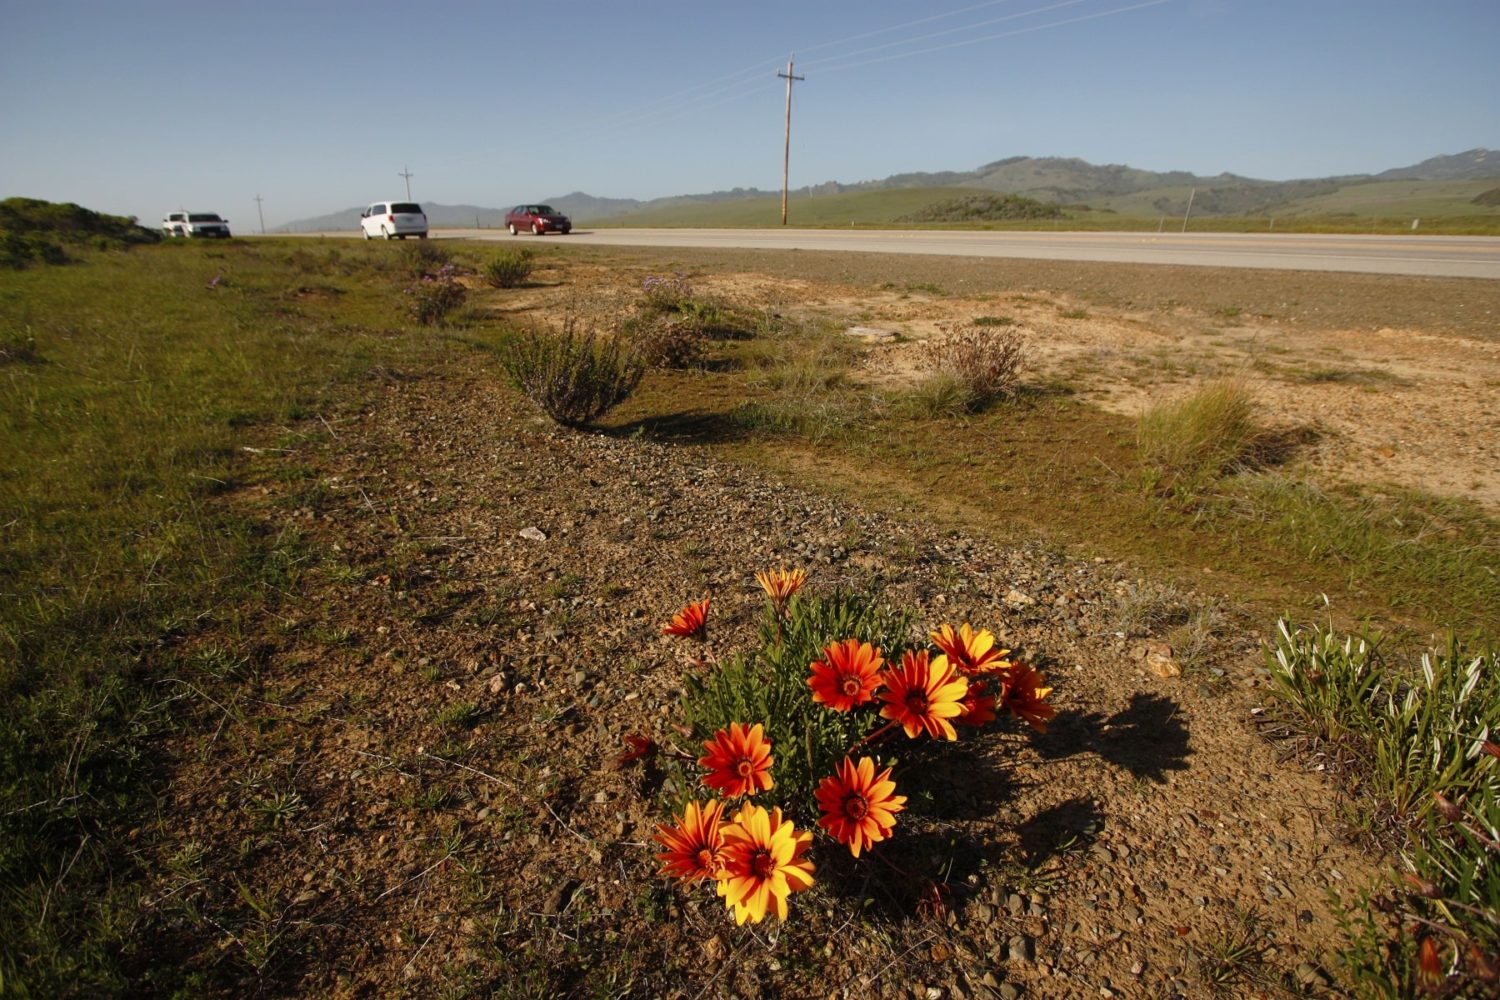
1148	739
698	426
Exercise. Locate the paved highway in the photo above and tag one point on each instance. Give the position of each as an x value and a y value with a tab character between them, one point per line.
1442	256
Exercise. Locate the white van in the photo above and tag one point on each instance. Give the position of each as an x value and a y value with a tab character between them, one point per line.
391	220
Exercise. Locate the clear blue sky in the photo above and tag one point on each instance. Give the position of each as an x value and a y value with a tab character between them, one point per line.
138	107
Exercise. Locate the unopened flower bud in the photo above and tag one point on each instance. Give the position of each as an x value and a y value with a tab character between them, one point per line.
1447	809
1481	966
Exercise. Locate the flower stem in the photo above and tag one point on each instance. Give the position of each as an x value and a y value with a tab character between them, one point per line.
877	734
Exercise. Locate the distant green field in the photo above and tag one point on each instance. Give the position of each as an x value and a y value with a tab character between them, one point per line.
1414	199
1377	206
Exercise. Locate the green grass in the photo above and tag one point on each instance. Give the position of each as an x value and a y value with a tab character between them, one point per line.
1409	741
126	420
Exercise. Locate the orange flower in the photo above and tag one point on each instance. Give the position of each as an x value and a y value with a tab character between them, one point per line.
858	807
639	747
695	846
924	695
1430	976
738	761
691	622
848	675
1024	696
781	584
978	705
763	863
972	653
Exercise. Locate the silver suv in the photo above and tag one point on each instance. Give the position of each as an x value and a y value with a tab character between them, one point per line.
195	224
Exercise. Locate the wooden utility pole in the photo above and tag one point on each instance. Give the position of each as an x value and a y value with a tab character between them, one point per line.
262	214
1189	213
786	149
406	172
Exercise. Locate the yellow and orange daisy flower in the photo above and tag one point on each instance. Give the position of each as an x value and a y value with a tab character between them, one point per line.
695	845
1024	697
924	694
691	622
738	761
763	863
969	651
781	584
858	806
847	676
978	705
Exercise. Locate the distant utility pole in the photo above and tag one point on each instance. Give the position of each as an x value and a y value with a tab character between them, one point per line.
406	172
786	149
261	213
1186	215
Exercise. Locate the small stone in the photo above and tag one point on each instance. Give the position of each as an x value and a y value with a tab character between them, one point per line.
532	534
1310	975
1009	991
1021	949
1015	904
1017	599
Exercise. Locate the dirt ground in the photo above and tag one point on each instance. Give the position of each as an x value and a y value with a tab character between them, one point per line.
420	795
1412	405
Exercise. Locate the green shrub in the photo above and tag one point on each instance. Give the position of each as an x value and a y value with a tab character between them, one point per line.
17	347
665	294
19	251
508	269
576	375
984	362
1188	444
435	295
423	258
984	207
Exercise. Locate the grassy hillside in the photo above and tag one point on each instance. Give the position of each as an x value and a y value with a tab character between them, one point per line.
1387	206
1412	199
858	208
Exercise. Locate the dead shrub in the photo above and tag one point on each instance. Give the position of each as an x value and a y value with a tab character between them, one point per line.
984	361
666	340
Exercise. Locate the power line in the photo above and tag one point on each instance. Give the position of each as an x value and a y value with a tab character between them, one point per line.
1004	34
946	31
903	25
746	81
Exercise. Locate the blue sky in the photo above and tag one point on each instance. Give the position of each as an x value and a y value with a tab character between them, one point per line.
138	107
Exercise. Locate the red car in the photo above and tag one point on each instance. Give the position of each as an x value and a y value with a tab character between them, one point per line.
538	219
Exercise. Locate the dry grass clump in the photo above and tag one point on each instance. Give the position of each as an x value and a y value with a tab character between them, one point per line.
667	340
982	360
1189	443
576	375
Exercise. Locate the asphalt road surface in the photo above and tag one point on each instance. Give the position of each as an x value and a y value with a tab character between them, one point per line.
1442	256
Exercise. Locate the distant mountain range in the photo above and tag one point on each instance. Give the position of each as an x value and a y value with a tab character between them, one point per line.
1050	178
